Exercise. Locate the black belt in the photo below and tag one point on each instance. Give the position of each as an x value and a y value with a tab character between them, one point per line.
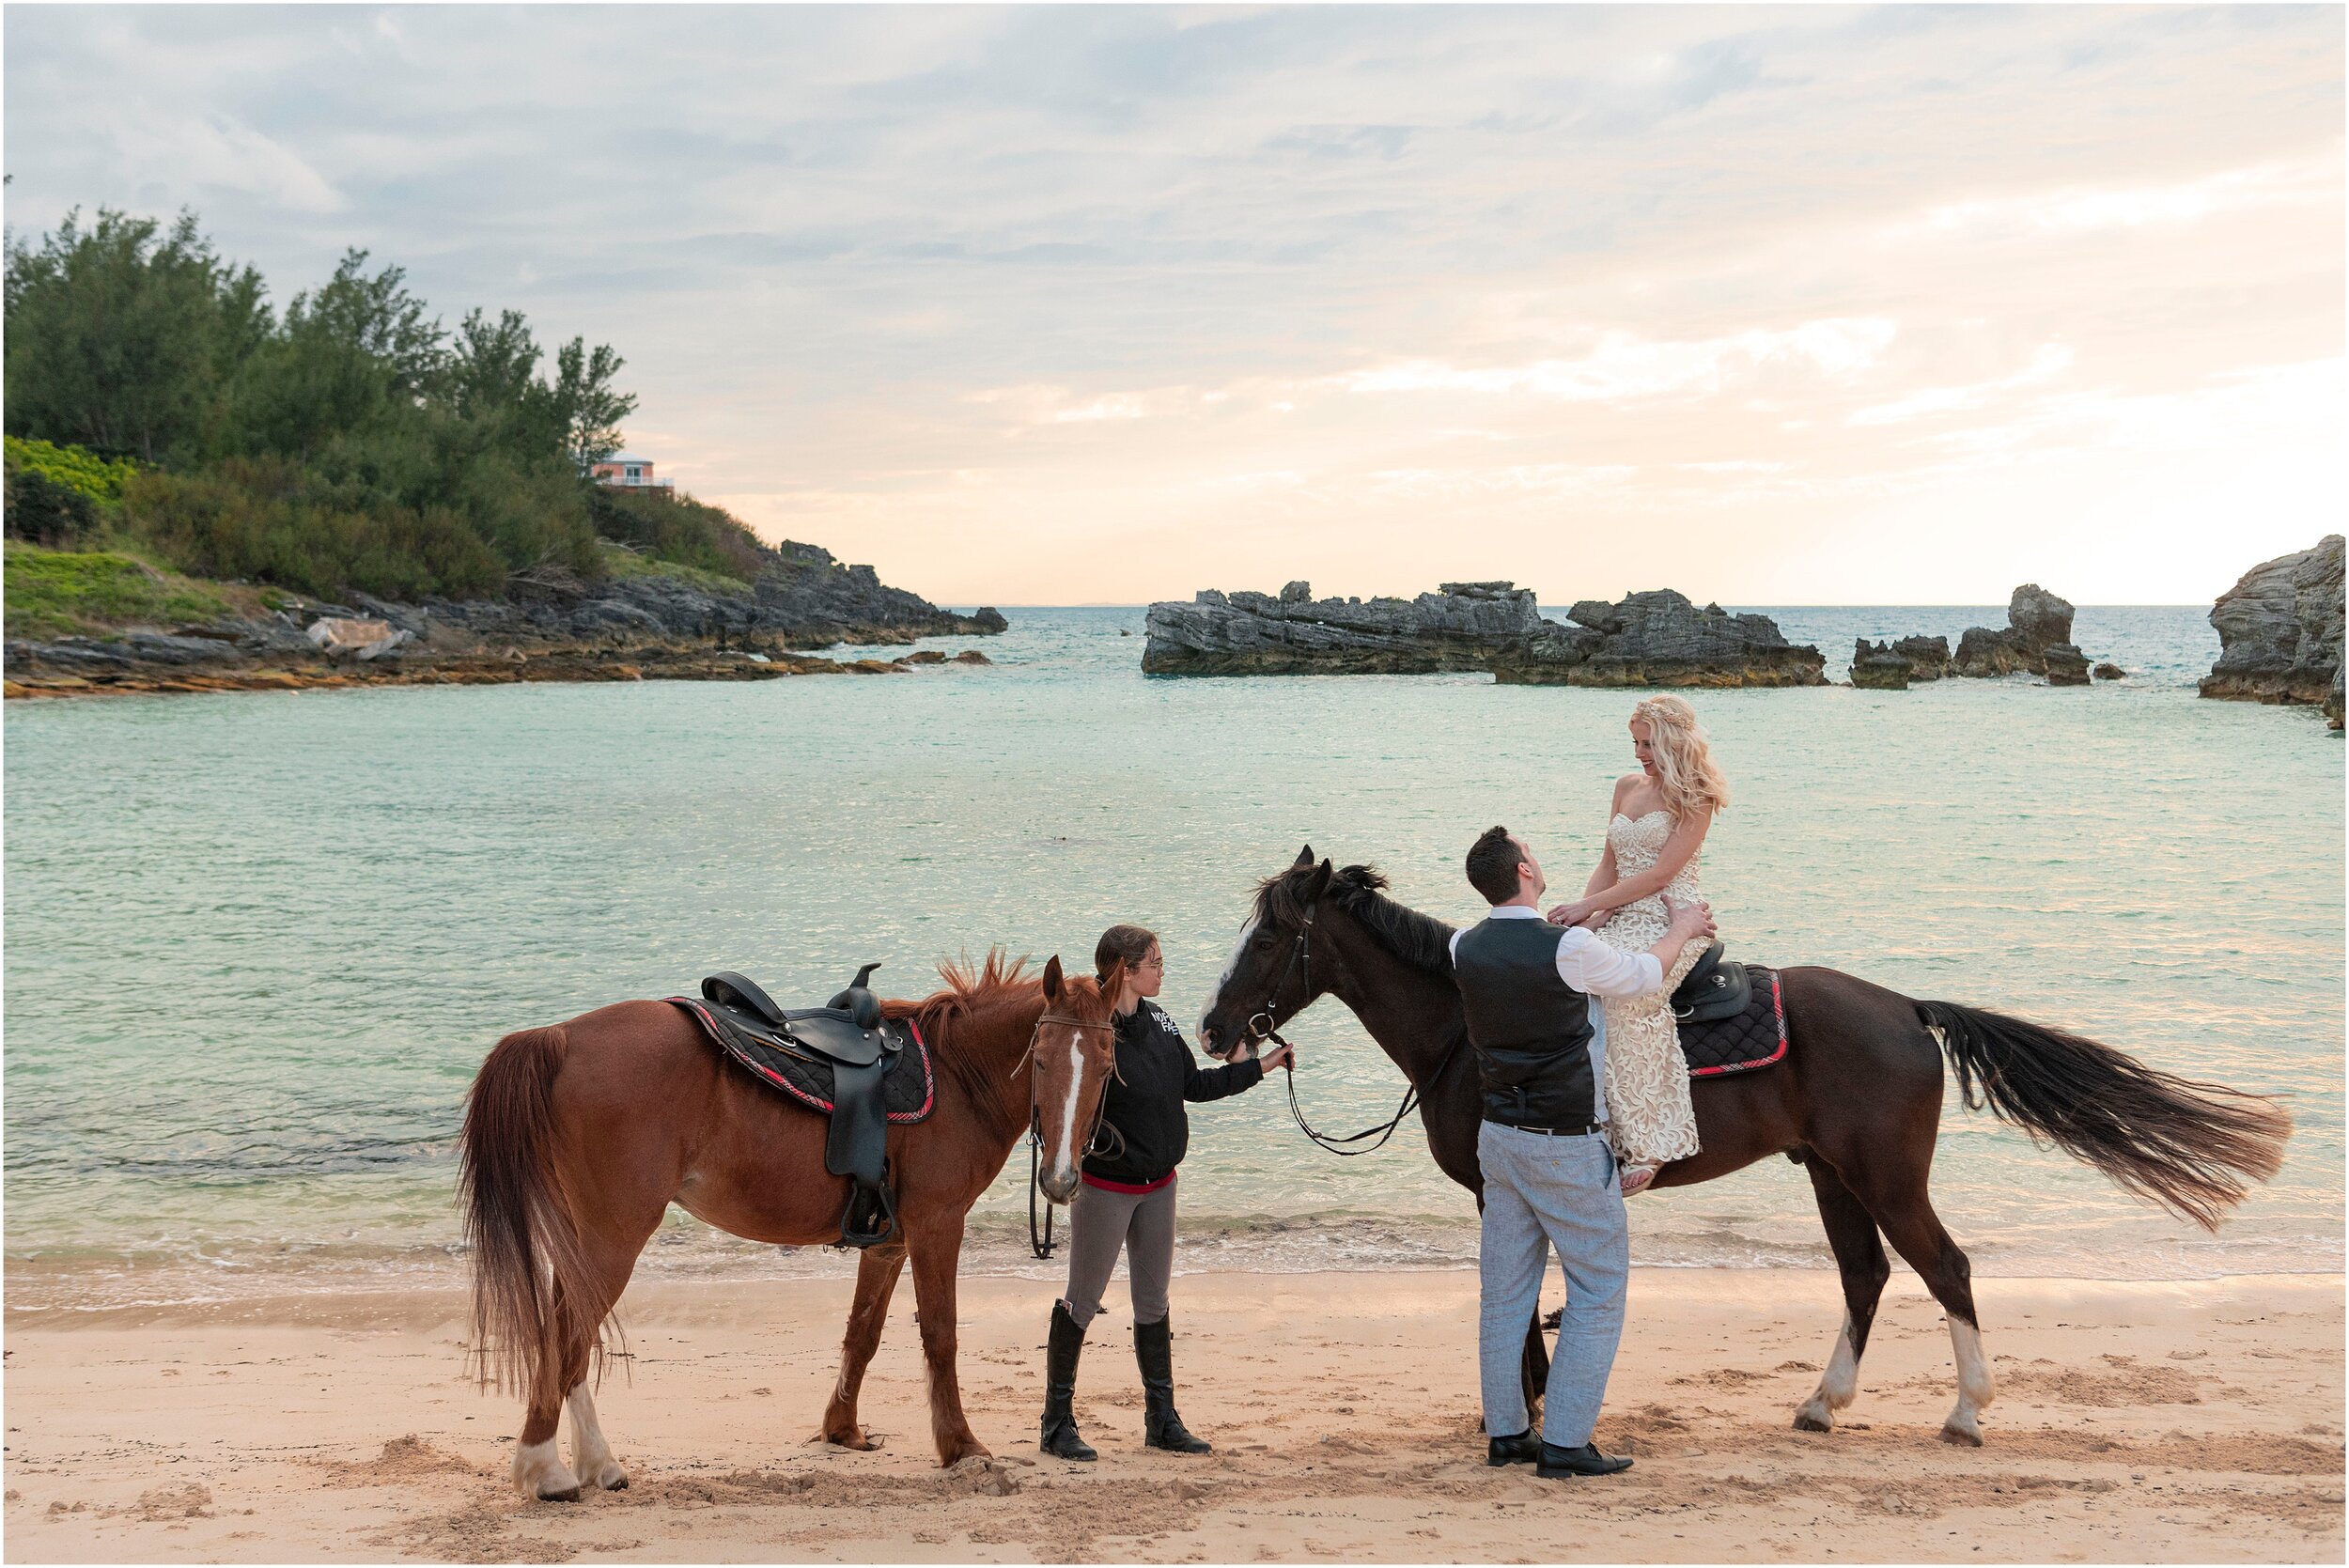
1583	1131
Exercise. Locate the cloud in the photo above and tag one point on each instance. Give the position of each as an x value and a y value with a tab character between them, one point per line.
1402	286
2049	362
1624	368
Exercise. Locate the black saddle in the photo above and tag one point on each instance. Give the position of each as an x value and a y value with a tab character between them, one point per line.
1714	989
850	1037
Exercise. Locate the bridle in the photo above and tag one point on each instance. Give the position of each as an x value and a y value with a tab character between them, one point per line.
1260	1027
1041	1240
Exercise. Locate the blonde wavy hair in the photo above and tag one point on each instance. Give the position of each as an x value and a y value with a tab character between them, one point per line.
1686	773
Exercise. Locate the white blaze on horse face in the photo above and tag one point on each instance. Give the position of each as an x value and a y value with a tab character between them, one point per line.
1231	968
1065	1153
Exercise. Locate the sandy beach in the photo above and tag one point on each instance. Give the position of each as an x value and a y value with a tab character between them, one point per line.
2155	1422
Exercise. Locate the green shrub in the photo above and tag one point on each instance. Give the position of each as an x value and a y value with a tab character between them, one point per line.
46	512
76	468
684	531
53	593
265	519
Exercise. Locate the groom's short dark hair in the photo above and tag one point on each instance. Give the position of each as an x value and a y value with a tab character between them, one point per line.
1492	865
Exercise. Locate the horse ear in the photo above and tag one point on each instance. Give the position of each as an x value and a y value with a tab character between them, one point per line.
1115	978
1052	978
1318	884
1304	857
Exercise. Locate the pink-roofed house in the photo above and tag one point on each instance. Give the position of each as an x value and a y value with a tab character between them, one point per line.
626	472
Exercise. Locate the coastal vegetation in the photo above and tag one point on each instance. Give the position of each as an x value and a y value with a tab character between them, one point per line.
161	412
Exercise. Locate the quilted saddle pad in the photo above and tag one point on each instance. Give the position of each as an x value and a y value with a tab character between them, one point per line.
1754	1038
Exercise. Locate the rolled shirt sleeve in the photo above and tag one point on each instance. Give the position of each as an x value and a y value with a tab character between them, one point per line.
1591	966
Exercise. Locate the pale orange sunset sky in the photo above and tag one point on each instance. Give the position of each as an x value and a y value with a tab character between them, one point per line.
1775	306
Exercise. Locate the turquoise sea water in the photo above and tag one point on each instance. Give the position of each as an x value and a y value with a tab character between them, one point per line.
257	944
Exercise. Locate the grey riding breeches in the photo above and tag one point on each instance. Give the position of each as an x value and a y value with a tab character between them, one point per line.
1099	1223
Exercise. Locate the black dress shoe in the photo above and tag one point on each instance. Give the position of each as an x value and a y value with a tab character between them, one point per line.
1523	1449
1585	1460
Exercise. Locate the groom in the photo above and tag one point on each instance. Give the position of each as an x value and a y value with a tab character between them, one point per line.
1549	1177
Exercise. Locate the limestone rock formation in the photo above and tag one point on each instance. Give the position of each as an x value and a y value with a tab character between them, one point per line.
2064	665
2280	633
2038	625
2109	672
1928	657
550	621
1880	666
1658	638
1459	627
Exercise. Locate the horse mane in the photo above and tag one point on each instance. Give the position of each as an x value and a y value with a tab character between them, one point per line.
1419	940
970	989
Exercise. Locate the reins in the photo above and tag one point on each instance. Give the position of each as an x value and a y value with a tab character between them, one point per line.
1261	1028
1041	1240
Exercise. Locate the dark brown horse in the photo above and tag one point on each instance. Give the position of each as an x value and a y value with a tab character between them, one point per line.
578	1137
1857	1103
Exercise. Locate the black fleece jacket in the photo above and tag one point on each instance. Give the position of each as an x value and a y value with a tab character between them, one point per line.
1159	1074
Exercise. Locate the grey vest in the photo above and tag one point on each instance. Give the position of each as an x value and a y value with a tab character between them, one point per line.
1531	1031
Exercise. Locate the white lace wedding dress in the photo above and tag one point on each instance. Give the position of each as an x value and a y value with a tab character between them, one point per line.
1649	1117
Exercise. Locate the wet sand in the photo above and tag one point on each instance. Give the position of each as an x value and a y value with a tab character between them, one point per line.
2134	1423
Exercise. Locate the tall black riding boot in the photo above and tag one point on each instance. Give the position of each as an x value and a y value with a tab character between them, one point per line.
1067	1342
1161	1428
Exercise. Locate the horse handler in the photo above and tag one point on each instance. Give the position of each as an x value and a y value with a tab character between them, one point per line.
1550	1176
1127	1198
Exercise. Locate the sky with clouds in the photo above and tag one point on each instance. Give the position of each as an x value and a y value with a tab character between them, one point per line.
1093	304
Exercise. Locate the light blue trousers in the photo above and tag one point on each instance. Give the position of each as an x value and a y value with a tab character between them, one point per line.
1539	1192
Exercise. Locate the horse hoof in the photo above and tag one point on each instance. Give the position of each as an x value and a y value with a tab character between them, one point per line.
612	1479
560	1494
1806	1422
1960	1437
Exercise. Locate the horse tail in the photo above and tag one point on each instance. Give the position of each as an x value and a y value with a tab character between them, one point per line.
530	1277
2192	1147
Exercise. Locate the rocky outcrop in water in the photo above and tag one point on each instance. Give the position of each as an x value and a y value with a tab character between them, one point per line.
2037	621
1658	638
552	627
1879	666
2280	633
1893	666
1459	627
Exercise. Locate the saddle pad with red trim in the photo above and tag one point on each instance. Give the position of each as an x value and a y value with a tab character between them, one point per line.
1754	1038
909	1088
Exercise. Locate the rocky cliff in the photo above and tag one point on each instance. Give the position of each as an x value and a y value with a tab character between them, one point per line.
2280	633
1459	627
641	622
1658	638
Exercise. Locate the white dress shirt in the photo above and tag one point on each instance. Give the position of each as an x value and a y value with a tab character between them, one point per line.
1588	966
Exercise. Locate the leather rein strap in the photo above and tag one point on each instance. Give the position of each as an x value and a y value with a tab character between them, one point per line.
1261	1028
1041	1240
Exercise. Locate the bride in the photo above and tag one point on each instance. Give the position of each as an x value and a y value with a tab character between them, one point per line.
1661	815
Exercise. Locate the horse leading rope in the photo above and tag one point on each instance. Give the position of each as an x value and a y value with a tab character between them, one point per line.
1041	1240
1262	1028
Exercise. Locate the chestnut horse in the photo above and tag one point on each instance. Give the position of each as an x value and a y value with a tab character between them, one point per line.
1857	1103
578	1137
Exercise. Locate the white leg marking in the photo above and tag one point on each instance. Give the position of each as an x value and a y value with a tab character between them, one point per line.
539	1472
591	1456
1836	1387
1975	1388
1231	967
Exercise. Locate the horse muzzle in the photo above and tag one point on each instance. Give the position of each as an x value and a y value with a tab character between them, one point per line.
1059	1185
